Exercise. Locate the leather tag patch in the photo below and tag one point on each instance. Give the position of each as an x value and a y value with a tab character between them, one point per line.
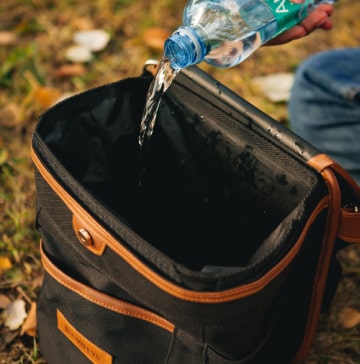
90	350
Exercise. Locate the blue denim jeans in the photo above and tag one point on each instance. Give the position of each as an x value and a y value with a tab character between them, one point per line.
324	106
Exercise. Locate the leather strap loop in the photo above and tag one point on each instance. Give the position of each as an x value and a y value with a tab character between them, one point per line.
349	225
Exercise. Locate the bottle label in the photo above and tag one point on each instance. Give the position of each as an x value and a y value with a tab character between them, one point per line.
287	13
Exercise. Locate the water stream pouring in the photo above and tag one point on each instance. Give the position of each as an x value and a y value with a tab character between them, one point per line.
222	33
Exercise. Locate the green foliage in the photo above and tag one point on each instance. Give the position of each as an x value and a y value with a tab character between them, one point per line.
121	3
16	62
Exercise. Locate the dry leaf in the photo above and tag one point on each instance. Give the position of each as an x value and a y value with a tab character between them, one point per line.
349	318
7	38
70	70
7	338
4	301
78	54
29	326
10	115
154	38
4	156
37	281
46	96
94	40
15	314
82	23
5	264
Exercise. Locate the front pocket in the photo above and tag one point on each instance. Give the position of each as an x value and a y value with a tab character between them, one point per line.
78	324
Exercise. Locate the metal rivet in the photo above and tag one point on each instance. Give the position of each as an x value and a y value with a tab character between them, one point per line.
85	237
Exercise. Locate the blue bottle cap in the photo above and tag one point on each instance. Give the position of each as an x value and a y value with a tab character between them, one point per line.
184	48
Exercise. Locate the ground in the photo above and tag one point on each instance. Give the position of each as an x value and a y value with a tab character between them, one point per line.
35	73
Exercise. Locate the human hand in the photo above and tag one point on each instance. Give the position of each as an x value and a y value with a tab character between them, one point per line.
319	18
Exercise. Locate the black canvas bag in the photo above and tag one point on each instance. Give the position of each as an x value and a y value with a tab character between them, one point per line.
226	253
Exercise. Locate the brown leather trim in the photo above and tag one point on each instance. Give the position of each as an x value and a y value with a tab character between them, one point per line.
211	297
349	226
156	279
95	354
320	162
102	299
349	180
323	164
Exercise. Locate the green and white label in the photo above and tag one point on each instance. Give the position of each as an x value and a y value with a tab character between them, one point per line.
288	13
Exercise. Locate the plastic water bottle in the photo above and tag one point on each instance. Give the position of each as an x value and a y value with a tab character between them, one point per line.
225	32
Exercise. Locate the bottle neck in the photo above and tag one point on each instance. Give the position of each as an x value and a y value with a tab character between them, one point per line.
184	48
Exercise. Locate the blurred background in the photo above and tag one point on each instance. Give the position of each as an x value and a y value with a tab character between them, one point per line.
44	58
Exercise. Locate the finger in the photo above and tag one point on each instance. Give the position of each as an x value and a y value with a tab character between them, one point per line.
295	32
319	18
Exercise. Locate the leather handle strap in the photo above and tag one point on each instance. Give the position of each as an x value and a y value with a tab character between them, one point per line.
349	217
349	225
340	222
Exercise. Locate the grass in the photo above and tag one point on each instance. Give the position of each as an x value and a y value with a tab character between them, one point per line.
29	84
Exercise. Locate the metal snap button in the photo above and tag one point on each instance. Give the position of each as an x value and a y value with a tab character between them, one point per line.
85	237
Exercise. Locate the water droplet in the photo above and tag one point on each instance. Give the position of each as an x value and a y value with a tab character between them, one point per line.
218	87
200	119
277	136
275	133
300	147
